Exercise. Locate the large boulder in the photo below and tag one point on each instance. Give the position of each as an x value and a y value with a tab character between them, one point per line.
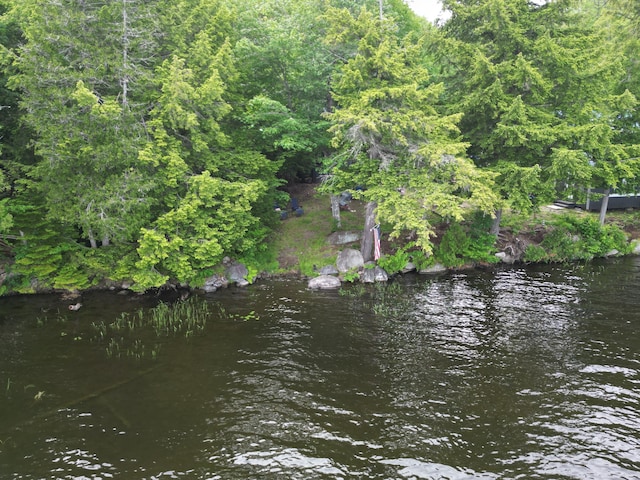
237	273
636	248
380	275
342	238
324	282
349	259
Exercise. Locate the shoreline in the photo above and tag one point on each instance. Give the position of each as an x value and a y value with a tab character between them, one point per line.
124	287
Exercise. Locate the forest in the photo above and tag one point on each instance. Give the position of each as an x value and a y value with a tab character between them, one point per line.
147	140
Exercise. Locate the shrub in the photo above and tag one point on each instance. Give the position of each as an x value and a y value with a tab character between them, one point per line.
582	238
452	246
459	246
394	263
560	245
535	254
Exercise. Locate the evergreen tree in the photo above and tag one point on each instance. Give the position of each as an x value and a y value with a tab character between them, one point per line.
82	73
390	138
537	84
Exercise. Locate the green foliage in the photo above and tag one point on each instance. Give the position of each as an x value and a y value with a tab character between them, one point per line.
396	262
595	240
353	291
421	260
284	70
127	336
261	258
535	254
71	277
280	134
391	138
453	246
460	245
213	219
544	95
82	98
155	132
6	219
351	276
580	238
561	246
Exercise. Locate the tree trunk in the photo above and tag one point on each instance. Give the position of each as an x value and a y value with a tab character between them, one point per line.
366	244
92	239
335	209
604	206
495	225
125	54
105	241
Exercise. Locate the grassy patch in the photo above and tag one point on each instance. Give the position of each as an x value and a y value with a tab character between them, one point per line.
302	241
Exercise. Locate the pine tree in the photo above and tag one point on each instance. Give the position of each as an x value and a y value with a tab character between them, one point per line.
538	88
390	138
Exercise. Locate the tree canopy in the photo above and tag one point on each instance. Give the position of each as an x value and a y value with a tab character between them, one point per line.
147	140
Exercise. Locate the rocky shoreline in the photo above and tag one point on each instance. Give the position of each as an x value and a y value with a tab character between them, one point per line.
348	267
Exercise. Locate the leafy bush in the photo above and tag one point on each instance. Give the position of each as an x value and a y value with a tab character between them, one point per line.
452	248
613	237
421	260
459	246
351	276
560	245
535	254
394	263
582	238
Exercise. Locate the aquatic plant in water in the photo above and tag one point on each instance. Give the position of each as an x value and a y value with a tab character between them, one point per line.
128	335
186	317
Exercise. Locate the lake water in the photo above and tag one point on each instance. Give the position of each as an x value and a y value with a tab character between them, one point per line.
517	373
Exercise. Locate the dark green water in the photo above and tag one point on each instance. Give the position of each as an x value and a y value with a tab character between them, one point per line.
528	373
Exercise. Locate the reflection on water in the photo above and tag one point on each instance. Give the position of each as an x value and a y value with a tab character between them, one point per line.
518	373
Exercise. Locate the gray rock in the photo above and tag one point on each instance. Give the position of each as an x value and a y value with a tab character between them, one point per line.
214	282
504	257
324	282
380	275
375	274
328	270
349	259
342	238
612	253
437	268
409	267
237	273
368	275
636	249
